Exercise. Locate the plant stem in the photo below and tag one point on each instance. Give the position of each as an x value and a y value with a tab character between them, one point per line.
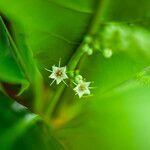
75	59
95	24
71	65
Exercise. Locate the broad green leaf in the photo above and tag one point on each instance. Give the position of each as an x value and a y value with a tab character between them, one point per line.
10	70
144	77
21	129
129	10
24	60
117	120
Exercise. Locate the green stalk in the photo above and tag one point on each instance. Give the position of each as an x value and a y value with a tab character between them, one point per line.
96	21
75	59
71	65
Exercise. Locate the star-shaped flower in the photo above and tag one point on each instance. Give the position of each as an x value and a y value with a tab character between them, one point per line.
82	88
58	74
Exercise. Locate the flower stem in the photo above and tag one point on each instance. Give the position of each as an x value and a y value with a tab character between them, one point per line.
71	66
75	59
96	20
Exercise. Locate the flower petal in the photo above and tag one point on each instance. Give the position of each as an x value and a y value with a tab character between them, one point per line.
55	68
58	80
52	76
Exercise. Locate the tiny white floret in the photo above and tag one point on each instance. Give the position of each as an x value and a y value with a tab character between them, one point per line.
58	74
82	88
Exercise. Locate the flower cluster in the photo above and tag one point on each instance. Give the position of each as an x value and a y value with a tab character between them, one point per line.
59	74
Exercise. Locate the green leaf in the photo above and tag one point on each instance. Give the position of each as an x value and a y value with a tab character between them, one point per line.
119	10
21	129
24	59
117	120
10	70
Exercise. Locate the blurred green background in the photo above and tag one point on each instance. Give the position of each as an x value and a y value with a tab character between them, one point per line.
35	34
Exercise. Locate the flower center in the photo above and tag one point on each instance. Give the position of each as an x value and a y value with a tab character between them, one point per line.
58	73
82	88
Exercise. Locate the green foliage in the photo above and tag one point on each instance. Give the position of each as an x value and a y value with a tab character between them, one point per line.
10	71
40	32
21	129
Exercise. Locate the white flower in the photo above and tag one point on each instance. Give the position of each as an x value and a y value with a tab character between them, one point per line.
58	74
82	88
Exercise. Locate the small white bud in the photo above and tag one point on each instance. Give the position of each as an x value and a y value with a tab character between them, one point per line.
88	49
78	78
107	53
88	39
